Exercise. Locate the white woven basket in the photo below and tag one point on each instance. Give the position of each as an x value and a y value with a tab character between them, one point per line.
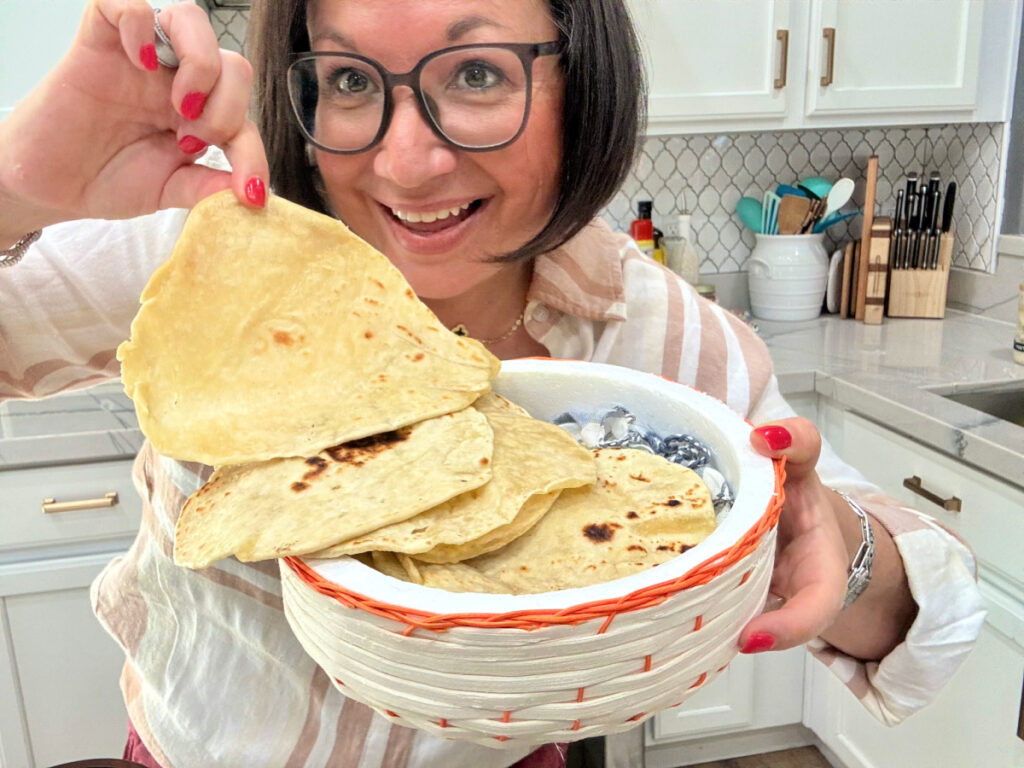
500	670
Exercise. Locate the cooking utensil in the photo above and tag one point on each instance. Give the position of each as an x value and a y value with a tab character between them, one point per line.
933	231
947	209
792	211
838	196
770	210
749	211
835	218
819	184
789	189
897	231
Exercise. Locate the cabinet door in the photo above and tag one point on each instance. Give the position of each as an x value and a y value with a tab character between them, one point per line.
973	722
885	57
713	58
62	666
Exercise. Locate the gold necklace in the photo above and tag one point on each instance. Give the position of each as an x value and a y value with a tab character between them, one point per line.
461	330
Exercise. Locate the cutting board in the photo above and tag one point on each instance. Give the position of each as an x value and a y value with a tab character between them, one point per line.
865	235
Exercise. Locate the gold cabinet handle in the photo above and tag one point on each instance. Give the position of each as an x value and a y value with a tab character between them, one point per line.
914	484
782	36
829	33
50	506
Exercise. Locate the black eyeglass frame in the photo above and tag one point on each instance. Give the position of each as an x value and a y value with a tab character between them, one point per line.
526	52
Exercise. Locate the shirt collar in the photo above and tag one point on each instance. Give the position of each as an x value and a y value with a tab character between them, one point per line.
583	277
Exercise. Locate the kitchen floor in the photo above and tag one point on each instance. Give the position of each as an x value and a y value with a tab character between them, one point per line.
589	753
804	757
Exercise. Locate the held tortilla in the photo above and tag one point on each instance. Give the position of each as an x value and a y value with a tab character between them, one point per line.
277	332
531	459
293	506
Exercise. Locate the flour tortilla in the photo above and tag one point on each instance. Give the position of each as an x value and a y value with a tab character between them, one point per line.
456	577
277	332
642	511
294	506
531	460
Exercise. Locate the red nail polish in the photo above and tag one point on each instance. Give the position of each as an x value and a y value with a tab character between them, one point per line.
192	105
255	192
757	642
778	438
147	55
190	145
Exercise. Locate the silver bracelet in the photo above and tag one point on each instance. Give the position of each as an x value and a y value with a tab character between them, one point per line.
13	255
860	569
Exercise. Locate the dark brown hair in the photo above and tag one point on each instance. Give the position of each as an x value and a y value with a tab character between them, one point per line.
602	120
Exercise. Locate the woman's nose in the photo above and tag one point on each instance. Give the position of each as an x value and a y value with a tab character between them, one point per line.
411	154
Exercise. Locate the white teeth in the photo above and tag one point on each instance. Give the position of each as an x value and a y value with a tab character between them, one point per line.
429	216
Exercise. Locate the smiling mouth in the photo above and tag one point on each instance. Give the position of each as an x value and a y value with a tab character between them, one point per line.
427	222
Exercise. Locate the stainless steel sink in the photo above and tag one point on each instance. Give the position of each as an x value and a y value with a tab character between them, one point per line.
1003	400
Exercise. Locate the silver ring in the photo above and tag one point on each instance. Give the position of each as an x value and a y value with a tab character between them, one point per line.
164	50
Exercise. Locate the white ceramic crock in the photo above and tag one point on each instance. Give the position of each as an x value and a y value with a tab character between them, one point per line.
787	275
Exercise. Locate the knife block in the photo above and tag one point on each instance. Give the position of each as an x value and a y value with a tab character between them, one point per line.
922	292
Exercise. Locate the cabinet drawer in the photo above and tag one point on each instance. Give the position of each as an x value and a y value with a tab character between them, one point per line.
26	525
991	518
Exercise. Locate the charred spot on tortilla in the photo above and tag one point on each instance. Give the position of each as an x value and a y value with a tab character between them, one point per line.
598	532
299	487
358	452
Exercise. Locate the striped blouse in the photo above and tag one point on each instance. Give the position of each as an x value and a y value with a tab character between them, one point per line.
214	676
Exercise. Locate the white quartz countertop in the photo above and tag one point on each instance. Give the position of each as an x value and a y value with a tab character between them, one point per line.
886	373
893	373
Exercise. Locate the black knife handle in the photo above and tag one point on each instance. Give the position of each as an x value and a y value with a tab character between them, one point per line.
947	209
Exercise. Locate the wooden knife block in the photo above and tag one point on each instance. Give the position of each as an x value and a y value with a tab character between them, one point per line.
922	292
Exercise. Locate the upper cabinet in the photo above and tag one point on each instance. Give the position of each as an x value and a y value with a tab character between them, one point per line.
715	59
728	65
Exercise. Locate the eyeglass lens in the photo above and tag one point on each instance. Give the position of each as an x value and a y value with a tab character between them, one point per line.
476	97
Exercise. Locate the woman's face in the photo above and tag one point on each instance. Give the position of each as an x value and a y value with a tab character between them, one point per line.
503	197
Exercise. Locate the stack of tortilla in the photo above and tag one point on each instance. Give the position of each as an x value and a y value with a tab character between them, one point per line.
342	418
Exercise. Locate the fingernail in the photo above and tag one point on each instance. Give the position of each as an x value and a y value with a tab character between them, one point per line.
255	192
757	642
778	438
192	105
190	145
147	55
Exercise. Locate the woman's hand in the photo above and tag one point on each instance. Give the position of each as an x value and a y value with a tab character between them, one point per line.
818	535
110	134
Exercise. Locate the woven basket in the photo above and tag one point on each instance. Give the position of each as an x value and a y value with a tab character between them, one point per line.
504	670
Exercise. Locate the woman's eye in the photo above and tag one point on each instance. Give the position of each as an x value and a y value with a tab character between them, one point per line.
351	82
478	75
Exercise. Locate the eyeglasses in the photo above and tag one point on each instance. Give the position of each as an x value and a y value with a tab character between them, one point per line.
475	97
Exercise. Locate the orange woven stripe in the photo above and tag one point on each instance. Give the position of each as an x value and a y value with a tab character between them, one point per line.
443	722
391	713
745	577
647	663
700	680
579	695
535	619
575	725
338	681
507	716
698	623
636	716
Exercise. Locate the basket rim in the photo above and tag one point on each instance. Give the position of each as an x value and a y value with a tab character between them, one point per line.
645	597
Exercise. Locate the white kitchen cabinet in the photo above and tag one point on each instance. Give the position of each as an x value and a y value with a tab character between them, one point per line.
881	56
709	60
975	720
748	65
761	693
59	670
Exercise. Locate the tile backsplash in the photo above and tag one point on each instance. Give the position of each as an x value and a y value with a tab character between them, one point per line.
706	174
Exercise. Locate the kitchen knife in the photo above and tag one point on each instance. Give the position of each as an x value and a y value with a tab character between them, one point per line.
915	226
897	231
947	210
910	224
933	232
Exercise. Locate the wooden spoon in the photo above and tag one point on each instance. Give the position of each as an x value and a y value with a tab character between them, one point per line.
792	211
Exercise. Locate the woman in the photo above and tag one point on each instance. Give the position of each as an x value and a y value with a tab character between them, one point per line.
481	187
